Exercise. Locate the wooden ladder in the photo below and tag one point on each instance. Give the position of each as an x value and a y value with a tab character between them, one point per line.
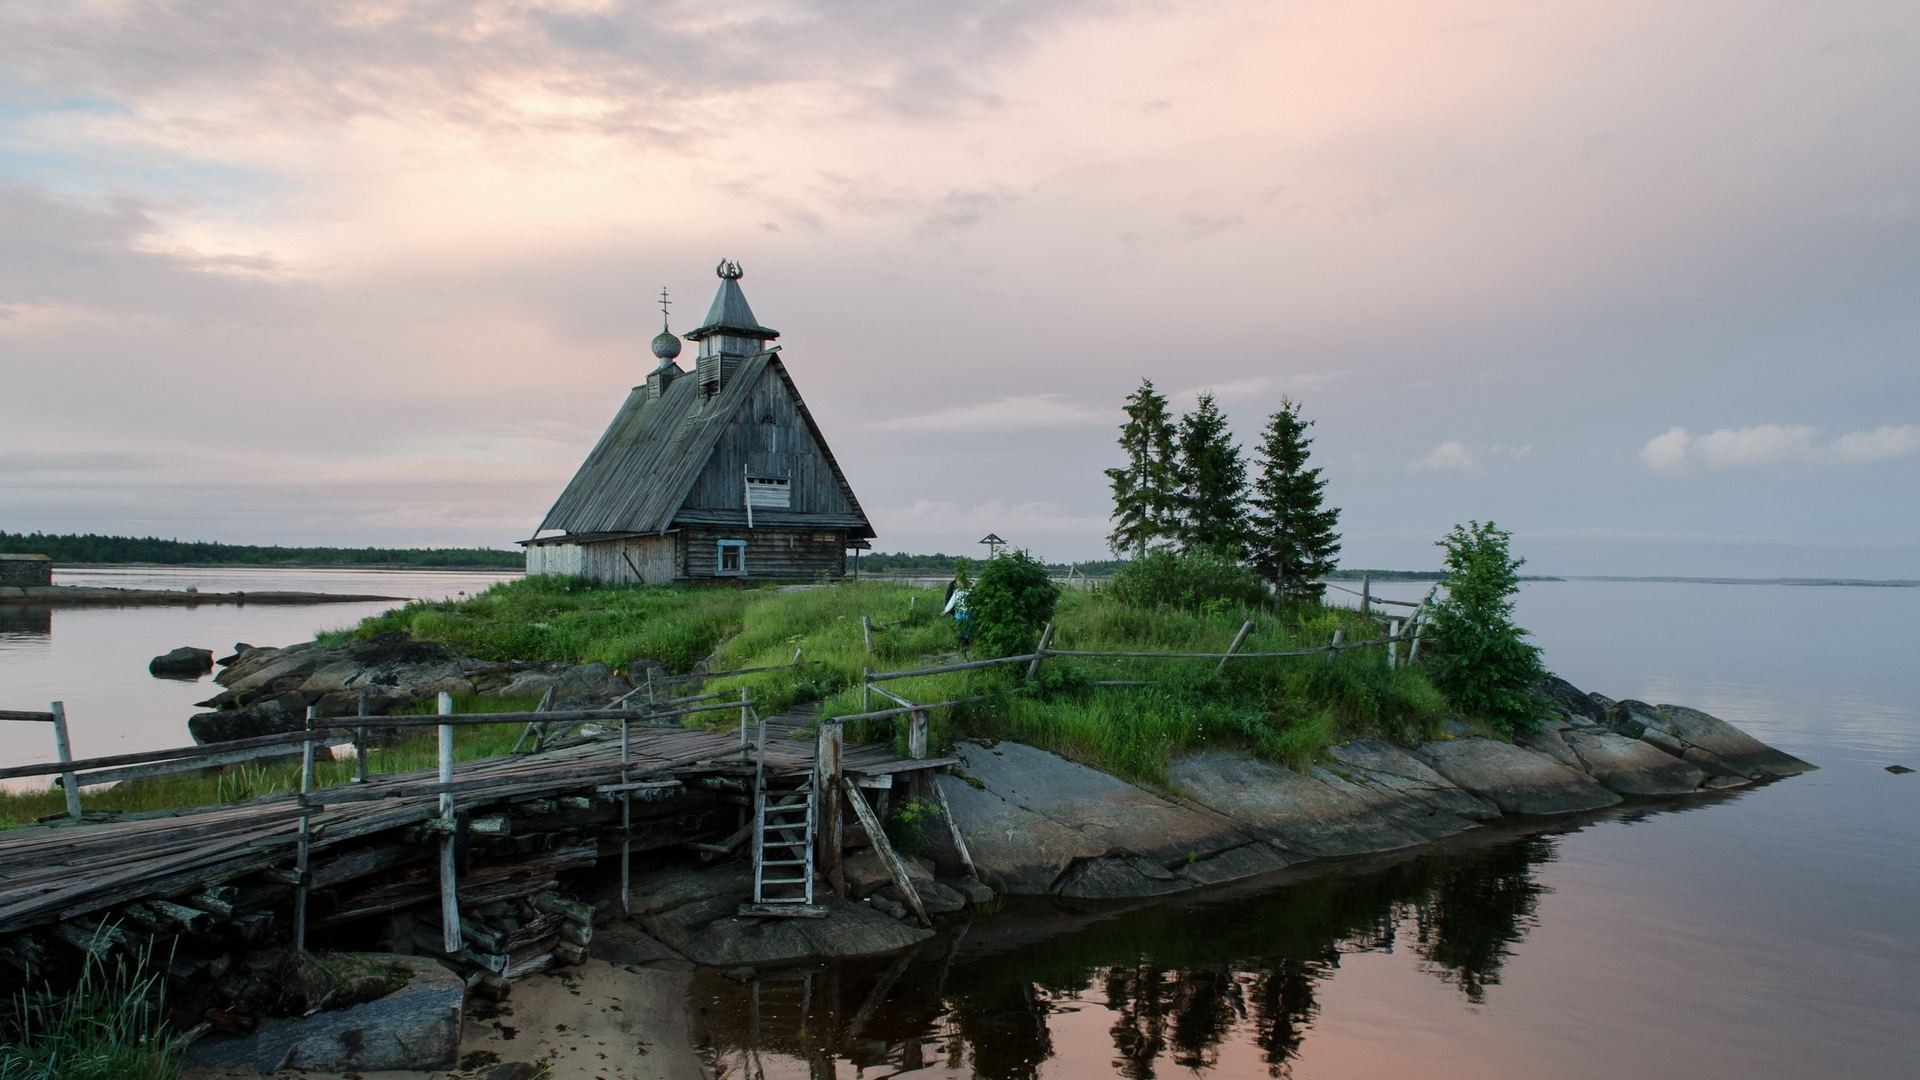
785	817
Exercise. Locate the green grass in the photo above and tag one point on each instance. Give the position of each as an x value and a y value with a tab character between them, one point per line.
1288	710
108	1026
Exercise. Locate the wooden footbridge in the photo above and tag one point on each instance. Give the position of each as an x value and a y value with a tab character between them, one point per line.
487	839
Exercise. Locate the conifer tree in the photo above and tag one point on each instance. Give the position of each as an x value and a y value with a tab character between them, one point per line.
1291	542
1143	489
1213	483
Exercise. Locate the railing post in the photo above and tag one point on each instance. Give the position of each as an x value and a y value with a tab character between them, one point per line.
826	780
866	689
449	893
360	744
63	750
1393	645
1239	639
303	854
1366	594
1040	652
1333	650
746	709
866	632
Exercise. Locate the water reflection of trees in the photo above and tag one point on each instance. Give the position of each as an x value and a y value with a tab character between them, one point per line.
1181	981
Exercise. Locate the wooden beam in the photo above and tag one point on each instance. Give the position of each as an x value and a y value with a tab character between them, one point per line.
63	749
1239	639
1040	652
953	830
827	783
449	886
896	869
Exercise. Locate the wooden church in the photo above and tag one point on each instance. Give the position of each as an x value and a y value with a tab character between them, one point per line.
718	474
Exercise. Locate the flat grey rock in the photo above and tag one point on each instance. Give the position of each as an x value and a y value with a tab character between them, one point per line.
1384	765
1704	741
1630	766
1516	780
1304	816
415	1027
1119	877
1030	817
696	913
1245	861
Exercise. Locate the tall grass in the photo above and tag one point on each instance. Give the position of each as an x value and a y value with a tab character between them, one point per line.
108	1026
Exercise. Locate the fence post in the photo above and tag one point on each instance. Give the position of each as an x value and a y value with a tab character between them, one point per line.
1366	594
303	854
1393	645
826	779
866	690
1040	652
449	892
1239	639
1333	650
866	632
360	744
746	707
1419	633
63	750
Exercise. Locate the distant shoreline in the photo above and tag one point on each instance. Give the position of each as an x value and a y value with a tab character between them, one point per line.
355	567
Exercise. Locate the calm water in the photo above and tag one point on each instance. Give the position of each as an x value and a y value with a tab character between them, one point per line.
95	658
1772	933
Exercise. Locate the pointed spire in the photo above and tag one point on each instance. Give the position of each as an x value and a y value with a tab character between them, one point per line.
729	315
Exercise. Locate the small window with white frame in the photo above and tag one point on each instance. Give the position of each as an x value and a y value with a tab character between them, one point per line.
730	558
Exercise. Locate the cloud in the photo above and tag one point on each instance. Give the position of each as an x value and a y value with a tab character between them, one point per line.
1015	521
1678	450
1450	456
1029	412
1258	386
1204	226
958	211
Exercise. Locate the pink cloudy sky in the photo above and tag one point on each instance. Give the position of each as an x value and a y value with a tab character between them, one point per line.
1637	280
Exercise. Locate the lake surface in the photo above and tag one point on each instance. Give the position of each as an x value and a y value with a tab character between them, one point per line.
1769	933
94	659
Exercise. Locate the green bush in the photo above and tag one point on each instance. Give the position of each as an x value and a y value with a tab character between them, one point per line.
1198	580
1009	604
1481	660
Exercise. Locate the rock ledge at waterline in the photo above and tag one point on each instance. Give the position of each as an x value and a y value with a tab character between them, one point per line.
1037	824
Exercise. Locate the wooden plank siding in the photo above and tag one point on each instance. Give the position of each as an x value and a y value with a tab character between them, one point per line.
773	553
637	560
769	434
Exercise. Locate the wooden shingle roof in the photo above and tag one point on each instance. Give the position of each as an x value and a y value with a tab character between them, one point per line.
638	476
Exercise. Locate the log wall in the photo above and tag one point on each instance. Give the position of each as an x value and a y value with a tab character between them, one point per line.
640	560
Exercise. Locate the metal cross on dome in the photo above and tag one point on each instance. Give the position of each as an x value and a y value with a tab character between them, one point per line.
994	544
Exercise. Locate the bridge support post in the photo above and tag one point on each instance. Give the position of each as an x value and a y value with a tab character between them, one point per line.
449	894
303	854
63	747
827	775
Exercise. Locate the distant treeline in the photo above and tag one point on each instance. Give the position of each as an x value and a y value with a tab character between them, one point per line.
93	548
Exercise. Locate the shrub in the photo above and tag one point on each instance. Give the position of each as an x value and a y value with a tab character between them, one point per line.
1199	581
1481	660
1010	603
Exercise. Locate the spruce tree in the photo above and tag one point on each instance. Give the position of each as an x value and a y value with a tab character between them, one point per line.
1143	497
1213	483
1291	542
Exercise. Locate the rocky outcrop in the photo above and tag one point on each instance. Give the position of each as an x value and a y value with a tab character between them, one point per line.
1037	824
1513	778
695	912
268	690
1706	742
185	660
414	1027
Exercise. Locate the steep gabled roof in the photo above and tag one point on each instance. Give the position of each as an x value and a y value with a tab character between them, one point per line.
729	314
639	474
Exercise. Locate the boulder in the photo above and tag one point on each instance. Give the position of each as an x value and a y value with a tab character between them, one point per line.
1515	779
1118	877
573	685
273	716
415	1027
1706	742
261	668
1573	704
185	660
866	874
240	650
